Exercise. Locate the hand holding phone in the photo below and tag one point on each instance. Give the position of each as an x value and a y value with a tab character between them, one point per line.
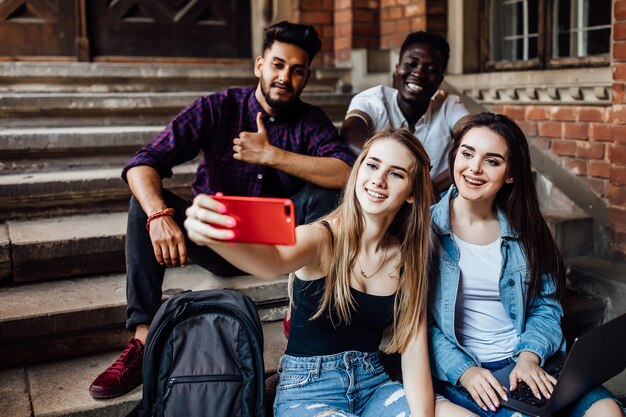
260	219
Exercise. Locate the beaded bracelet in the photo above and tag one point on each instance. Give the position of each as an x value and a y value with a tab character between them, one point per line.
166	212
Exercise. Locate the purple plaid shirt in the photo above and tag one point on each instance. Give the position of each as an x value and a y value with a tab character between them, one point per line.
212	122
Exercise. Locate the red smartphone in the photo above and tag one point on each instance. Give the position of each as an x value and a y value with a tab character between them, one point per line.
261	219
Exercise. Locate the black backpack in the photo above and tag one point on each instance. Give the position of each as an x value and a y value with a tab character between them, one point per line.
204	358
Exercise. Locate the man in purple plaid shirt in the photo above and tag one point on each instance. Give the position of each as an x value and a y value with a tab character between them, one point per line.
255	141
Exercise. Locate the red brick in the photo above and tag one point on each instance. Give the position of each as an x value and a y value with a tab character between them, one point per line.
617	155
620	10
387	27
599	169
343	17
550	129
396	12
618	175
342	4
323	18
618	133
387	3
415	10
617	113
536	113
617	216
591	114
619	30
576	166
529	128
619	71
618	92
343	43
600	132
517	113
616	195
365	4
619	50
564	147
368	16
563	113
576	130
590	150
312	5
418	23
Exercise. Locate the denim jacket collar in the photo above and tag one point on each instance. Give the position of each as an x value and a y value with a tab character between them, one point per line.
440	213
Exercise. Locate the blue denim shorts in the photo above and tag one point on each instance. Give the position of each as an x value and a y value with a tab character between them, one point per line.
460	396
342	385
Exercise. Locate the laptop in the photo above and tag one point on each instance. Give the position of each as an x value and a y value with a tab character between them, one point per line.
594	358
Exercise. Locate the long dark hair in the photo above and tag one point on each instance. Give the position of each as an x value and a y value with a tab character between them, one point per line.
519	201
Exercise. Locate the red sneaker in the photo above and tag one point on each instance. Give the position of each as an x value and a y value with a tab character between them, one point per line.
121	377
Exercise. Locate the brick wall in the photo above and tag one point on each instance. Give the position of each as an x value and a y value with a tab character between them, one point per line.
372	24
616	187
590	141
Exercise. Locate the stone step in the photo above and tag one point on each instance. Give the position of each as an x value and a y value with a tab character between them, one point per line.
75	141
78	190
573	232
85	244
41	322
602	279
119	77
61	388
132	108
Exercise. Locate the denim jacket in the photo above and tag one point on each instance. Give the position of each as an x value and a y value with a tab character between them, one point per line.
538	325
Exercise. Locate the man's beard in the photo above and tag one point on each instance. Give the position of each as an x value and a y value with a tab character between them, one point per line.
281	106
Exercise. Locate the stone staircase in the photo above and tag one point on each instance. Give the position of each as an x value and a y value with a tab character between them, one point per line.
65	132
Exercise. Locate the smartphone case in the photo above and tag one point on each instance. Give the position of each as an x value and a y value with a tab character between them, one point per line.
261	219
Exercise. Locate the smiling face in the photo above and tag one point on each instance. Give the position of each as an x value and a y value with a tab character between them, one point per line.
419	73
480	166
283	72
384	178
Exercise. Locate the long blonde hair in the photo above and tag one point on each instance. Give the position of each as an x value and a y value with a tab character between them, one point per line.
410	227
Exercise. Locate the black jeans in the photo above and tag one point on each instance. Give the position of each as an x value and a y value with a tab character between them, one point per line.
144	275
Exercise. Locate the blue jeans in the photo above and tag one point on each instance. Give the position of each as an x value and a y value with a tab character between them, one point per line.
343	385
144	275
460	396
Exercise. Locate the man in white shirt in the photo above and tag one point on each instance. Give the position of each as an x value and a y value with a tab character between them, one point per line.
416	103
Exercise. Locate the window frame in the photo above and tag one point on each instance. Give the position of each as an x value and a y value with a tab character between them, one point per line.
544	59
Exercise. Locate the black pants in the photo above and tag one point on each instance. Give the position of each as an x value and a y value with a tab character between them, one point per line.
144	275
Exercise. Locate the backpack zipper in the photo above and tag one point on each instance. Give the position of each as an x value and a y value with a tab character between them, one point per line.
198	379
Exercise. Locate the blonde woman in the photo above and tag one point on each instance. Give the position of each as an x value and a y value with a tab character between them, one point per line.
359	270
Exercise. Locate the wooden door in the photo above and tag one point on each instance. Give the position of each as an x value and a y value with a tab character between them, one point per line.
169	28
38	28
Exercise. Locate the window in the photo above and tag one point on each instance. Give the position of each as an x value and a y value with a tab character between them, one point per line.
524	34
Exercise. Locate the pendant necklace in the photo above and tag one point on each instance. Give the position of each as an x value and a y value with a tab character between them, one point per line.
363	274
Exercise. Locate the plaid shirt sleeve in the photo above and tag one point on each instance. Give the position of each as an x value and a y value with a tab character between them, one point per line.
178	143
323	138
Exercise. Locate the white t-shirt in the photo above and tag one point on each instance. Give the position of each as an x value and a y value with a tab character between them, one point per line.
481	323
378	107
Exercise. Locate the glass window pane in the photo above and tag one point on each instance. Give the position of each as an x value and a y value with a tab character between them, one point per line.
581	28
514	30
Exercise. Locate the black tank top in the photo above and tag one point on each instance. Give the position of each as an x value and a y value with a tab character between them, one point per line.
318	337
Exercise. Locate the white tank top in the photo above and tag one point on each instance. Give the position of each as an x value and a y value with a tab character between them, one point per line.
481	324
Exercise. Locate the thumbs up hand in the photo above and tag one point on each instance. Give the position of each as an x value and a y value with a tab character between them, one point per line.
254	147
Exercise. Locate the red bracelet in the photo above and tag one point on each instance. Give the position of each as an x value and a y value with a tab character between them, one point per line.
167	212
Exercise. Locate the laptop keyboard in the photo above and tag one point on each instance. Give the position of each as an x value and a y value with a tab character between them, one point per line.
525	395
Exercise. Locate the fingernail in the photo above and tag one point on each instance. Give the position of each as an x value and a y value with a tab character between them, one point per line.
231	234
548	396
506	398
222	209
232	222
485	408
538	396
492	408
